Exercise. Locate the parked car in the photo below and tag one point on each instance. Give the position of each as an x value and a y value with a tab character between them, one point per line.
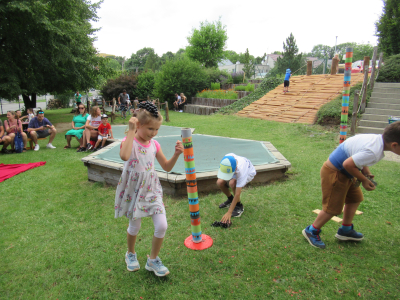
98	100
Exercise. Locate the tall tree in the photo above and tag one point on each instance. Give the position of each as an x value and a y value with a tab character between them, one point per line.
48	48
290	59
206	45
138	60
248	67
388	28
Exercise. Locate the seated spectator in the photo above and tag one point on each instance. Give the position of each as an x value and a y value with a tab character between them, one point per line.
13	125
104	131
78	126
40	127
183	102
177	102
5	140
92	123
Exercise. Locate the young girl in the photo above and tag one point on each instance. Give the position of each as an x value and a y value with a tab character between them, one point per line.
139	192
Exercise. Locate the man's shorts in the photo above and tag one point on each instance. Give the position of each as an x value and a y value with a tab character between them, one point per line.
41	134
338	189
285	83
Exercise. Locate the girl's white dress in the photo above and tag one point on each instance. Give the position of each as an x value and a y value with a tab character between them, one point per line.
139	191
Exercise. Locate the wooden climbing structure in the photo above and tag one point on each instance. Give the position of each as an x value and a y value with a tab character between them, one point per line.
305	97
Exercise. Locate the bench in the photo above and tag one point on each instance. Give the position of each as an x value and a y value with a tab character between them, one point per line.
31	143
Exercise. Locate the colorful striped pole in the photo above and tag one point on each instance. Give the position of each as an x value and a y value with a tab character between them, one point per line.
346	94
197	240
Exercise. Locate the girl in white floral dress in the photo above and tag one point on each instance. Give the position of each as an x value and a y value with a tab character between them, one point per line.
139	192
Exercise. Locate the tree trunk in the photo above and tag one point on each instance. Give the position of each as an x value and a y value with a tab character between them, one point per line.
29	102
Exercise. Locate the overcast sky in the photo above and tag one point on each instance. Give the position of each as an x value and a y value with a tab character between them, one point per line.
262	26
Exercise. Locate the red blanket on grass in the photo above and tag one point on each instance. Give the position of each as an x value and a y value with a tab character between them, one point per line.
8	171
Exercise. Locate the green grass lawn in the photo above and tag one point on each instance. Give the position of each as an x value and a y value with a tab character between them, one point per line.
59	238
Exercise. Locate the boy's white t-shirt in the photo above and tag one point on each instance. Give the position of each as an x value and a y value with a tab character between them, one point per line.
365	149
245	171
95	122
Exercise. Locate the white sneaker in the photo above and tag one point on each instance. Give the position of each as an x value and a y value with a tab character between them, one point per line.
181	111
50	146
37	147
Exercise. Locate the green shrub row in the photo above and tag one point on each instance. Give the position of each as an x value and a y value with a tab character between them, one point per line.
247	88
330	113
265	86
390	71
218	94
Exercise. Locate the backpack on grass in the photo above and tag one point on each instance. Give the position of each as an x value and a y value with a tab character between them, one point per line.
18	143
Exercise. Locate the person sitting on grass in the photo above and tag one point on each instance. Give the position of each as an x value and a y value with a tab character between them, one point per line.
104	131
78	126
5	140
92	123
183	102
346	164
238	171
177	102
40	127
12	126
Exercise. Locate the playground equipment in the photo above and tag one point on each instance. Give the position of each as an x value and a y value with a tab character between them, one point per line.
346	94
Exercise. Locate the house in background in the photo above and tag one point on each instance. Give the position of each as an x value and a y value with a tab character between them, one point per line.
260	70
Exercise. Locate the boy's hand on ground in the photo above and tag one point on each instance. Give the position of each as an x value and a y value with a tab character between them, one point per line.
368	185
178	147
132	123
226	217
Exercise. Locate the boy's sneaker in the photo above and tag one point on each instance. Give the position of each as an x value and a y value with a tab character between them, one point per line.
313	238
132	264
350	235
88	146
94	149
37	147
50	146
157	267
227	203
238	210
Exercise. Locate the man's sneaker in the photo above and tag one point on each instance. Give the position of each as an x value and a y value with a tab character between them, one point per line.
5	151
88	146
36	147
350	235
132	264
157	267
50	146
313	238
81	149
238	210
95	149
227	203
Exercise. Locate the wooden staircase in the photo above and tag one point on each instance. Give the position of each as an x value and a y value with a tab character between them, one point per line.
301	104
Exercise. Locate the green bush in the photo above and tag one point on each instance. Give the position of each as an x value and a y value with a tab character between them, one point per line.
114	87
240	88
390	71
237	77
65	98
265	86
215	86
145	85
217	75
218	94
180	75
249	87
330	113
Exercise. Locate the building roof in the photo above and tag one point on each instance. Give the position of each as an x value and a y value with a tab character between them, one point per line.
274	57
225	62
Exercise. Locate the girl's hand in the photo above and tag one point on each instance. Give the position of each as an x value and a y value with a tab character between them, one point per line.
178	147
132	123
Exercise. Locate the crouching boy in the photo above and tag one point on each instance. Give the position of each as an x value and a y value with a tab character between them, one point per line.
341	175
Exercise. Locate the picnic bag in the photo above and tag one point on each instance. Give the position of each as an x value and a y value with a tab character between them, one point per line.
18	143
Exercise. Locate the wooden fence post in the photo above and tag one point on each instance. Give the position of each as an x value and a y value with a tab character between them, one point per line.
309	68
334	66
88	106
113	110
166	112
365	83
354	114
372	81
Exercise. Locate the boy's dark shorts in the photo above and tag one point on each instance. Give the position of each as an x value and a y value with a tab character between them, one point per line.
285	83
41	134
337	189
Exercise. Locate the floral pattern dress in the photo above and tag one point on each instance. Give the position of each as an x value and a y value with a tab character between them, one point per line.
139	191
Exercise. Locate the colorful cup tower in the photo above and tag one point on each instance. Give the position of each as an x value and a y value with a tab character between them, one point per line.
197	241
346	94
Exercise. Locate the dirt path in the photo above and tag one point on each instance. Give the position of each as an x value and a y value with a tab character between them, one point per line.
391	156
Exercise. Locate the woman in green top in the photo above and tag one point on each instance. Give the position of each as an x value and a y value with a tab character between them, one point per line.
78	125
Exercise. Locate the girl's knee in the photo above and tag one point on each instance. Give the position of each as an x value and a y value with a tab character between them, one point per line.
160	226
